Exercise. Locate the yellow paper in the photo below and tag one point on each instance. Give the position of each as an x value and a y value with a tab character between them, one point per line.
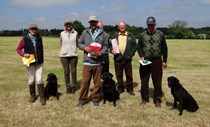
27	61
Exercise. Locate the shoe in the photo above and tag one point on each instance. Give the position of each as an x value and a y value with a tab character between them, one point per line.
95	103
79	105
73	90
144	102
121	91
157	104
68	90
131	93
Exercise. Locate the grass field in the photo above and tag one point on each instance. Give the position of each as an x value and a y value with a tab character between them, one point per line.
189	60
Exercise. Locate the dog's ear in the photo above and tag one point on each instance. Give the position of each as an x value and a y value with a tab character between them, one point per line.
176	80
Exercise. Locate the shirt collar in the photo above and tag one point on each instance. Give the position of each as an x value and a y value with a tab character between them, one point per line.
72	31
96	30
125	34
151	32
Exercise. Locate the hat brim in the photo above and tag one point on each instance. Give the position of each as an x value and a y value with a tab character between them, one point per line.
68	23
93	20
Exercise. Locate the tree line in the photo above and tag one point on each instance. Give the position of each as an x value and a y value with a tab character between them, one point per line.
177	30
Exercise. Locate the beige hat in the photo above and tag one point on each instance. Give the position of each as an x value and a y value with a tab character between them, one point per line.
33	26
92	18
68	21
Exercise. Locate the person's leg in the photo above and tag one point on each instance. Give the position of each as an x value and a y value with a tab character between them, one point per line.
31	70
119	75
73	65
156	72
86	74
31	82
106	64
129	77
65	63
96	93
144	76
40	83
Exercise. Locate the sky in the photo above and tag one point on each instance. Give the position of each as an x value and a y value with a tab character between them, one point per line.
50	14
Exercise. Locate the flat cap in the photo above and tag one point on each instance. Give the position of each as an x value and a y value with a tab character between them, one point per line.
92	18
33	26
151	20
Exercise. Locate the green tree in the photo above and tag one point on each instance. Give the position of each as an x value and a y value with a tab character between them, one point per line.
78	26
180	30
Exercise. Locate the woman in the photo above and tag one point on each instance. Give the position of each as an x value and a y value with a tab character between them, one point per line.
33	48
68	55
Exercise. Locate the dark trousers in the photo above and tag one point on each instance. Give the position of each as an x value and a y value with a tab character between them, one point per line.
70	65
127	67
87	74
155	70
105	64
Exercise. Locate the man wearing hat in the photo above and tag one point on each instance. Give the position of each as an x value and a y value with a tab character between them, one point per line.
68	55
152	47
92	66
32	46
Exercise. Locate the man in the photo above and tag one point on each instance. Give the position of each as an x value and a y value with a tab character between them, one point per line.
152	47
122	60
92	61
105	61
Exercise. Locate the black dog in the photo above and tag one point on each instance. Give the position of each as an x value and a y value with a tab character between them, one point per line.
180	94
109	89
51	88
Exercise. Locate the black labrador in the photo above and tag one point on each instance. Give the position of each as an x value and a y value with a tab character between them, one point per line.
51	88
180	94
109	90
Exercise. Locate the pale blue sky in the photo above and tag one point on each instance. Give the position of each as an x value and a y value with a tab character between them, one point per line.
49	14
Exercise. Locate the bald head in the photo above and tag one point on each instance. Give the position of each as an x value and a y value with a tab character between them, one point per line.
100	24
121	26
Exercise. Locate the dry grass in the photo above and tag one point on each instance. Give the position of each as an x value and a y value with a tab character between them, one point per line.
188	60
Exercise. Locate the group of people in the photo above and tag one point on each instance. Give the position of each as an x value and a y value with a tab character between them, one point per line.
151	46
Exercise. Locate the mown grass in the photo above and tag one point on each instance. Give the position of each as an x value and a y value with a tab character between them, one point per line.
188	60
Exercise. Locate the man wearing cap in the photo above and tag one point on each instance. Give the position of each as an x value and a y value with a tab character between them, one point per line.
68	55
92	67
32	46
152	47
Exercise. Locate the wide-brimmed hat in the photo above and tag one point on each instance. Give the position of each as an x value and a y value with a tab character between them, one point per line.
33	26
151	20
92	18
68	21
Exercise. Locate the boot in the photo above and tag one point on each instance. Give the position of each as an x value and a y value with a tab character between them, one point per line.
41	94
73	89
68	89
32	90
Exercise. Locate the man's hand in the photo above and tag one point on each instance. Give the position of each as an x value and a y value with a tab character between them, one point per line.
164	64
113	52
27	55
87	49
142	58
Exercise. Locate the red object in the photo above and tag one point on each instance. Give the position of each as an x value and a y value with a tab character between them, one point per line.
95	47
